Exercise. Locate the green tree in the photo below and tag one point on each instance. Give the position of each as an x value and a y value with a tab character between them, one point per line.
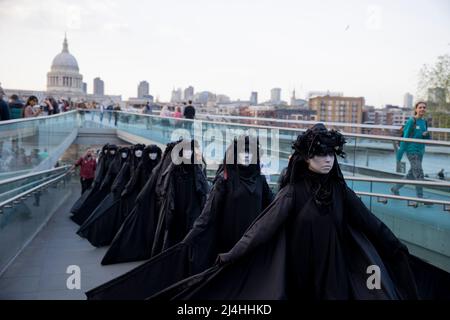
437	76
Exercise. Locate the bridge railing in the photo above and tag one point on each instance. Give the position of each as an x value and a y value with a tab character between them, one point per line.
366	154
26	143
16	185
24	213
32	144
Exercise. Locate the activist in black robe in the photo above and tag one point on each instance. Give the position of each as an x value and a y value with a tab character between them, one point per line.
317	240
100	190
182	192
102	167
136	156
101	226
150	158
238	196
133	241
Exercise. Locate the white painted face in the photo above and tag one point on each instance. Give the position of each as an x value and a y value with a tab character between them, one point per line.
152	156
245	158
138	153
187	154
321	164
112	152
123	155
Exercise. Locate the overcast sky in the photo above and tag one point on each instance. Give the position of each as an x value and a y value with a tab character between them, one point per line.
364	48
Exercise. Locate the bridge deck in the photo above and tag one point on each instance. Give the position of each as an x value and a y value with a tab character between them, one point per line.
39	272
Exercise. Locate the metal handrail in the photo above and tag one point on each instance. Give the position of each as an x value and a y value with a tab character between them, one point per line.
395	197
23	194
16	172
338	124
296	130
61	114
290	121
391	196
310	122
446	204
29	175
402	181
25	186
385	180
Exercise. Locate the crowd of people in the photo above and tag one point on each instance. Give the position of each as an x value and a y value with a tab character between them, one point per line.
170	114
232	238
16	108
185	110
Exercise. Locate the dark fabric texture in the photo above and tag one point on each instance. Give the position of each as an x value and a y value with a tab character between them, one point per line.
85	184
101	226
99	193
189	112
182	191
299	248
134	239
4	110
105	221
139	178
229	210
100	172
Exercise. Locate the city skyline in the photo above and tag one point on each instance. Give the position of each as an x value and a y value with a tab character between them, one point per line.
369	49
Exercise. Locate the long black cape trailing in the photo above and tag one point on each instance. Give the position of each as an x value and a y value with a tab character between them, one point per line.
316	240
101	226
99	193
182	191
294	250
232	205
137	182
134	239
102	167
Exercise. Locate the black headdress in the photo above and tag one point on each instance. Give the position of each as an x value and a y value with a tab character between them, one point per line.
243	143
105	149
152	148
133	159
316	141
137	147
149	163
112	147
126	150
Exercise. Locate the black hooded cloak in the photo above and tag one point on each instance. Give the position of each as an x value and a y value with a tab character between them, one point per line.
105	220
102	166
133	241
100	190
315	241
182	191
239	194
140	177
136	158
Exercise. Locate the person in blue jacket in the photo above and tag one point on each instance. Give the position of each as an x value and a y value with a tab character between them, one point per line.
416	128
